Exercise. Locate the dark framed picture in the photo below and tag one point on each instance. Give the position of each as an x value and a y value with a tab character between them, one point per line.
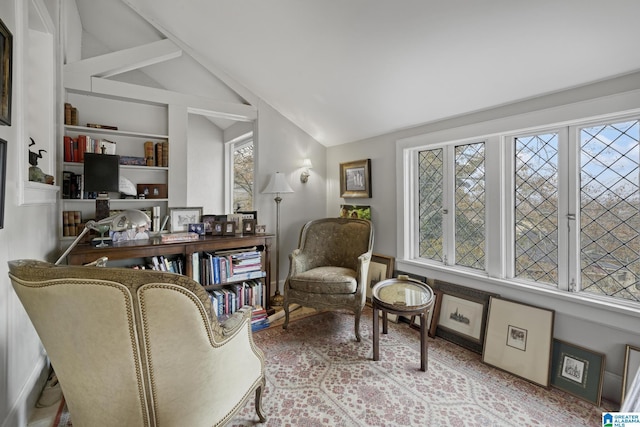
355	211
6	59
248	226
182	217
355	179
229	228
577	371
208	221
518	339
217	228
462	314
249	215
3	178
197	227
380	268
152	191
631	367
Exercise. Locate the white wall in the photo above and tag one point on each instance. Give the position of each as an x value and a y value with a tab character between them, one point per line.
282	147
29	232
595	330
205	159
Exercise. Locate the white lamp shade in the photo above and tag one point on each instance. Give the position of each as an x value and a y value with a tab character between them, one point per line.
307	164
278	184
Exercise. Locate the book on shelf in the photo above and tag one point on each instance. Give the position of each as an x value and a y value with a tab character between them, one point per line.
149	153
99	126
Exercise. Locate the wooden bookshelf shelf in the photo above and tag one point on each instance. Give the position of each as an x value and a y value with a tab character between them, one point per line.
85	253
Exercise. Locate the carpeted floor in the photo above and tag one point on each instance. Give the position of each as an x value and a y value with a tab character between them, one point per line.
318	375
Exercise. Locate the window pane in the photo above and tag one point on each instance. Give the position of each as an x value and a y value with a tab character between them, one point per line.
610	210
470	205
243	177
536	208
430	181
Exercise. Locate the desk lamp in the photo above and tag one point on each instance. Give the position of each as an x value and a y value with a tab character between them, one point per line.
125	220
277	184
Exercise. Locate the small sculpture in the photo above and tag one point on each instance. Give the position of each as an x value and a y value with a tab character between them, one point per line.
35	173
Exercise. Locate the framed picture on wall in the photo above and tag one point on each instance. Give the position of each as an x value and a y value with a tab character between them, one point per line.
6	59
355	179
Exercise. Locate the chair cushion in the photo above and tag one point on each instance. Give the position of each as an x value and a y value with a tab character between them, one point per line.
325	280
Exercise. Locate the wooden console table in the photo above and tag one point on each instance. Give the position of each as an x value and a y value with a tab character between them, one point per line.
85	253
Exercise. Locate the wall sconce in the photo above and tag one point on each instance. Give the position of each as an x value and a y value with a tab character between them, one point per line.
306	165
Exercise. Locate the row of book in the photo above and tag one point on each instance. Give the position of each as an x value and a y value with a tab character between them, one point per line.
162	263
156	154
73	185
75	148
259	318
230	298
72	223
227	266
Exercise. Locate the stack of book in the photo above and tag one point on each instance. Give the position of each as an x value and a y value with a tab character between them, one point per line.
259	319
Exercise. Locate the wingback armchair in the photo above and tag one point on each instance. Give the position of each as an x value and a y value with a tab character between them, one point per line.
329	268
139	347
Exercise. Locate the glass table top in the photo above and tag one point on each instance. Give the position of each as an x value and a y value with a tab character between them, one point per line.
403	294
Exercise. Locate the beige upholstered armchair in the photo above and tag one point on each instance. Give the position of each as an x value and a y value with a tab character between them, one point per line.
139	347
329	269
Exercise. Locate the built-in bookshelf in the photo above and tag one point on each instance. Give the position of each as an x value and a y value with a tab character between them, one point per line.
136	132
248	255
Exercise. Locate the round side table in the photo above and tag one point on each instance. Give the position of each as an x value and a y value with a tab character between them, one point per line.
405	297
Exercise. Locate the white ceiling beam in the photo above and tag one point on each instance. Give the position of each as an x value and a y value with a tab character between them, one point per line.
195	104
233	84
77	75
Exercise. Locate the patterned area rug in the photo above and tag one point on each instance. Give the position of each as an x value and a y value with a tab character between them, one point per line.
318	375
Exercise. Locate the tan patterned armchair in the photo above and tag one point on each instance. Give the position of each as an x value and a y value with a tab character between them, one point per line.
139	347
329	269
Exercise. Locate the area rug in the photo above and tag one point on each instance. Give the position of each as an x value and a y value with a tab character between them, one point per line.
318	375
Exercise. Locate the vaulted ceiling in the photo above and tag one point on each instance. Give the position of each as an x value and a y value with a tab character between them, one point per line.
352	69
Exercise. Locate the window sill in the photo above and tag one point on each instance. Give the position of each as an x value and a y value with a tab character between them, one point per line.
623	315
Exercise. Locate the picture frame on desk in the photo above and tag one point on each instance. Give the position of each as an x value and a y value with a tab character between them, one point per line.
229	228
216	228
248	226
249	215
182	217
208	221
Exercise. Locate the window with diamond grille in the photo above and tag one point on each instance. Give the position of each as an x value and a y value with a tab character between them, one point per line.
610	210
536	208
470	205
430	193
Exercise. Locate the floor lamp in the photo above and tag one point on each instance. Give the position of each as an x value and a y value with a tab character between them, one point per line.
277	184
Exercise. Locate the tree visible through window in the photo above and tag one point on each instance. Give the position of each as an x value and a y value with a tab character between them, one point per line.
243	168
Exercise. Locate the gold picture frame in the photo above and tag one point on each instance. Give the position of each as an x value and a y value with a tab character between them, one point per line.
355	179
631	368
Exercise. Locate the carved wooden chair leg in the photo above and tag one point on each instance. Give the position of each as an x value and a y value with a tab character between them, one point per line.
259	411
357	327
285	306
